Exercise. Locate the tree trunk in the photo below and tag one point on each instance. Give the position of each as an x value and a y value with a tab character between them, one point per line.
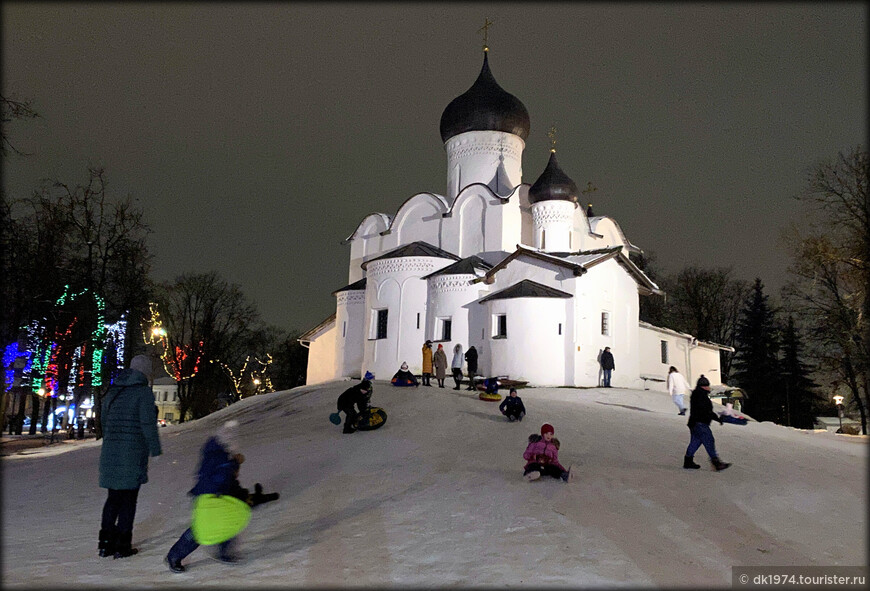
22	405
45	411
34	415
98	412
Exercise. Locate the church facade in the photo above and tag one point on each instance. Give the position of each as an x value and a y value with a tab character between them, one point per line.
536	283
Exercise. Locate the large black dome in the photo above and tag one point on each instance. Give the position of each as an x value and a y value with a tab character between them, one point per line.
485	106
553	184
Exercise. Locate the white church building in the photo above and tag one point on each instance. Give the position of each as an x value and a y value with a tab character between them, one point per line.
521	272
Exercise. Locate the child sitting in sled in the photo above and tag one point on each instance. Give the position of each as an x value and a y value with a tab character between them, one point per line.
542	456
404	377
222	506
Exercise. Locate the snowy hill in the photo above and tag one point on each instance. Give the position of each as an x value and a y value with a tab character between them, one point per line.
436	498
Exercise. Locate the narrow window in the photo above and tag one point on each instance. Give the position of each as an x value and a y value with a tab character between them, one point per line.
664	352
382	325
344	329
500	327
560	328
446	329
543	240
165	396
605	323
418	321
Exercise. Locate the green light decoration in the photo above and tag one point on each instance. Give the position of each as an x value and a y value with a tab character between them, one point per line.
97	336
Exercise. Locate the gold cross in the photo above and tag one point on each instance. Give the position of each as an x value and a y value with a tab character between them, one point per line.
485	28
589	188
552	135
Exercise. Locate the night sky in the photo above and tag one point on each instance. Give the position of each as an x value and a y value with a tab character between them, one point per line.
257	136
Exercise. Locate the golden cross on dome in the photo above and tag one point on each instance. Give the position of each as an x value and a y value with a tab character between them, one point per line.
589	188
552	135
485	28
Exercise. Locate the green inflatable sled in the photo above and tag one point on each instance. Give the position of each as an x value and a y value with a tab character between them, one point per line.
218	518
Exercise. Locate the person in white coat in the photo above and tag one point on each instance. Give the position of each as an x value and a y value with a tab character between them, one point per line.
678	386
456	365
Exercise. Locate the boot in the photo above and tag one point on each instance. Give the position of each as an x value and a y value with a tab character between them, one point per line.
533	475
689	463
106	545
123	549
174	565
718	464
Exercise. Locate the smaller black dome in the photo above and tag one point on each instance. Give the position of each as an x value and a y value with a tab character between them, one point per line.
485	106
553	184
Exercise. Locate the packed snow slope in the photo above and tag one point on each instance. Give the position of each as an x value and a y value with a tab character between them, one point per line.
436	498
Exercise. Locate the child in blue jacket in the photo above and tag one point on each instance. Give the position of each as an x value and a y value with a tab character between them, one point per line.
218	475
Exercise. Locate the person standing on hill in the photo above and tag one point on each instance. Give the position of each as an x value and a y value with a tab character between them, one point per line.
440	362
607	365
130	435
456	365
678	387
427	363
471	361
700	415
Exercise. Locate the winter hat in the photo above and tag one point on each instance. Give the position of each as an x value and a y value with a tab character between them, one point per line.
429	343
369	376
404	366
547	428
513	391
703	382
365	385
440	346
142	364
228	436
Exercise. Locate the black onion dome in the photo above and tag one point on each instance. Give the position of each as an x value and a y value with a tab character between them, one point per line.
553	184
485	106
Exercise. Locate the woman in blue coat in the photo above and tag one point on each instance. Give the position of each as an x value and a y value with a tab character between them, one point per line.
129	421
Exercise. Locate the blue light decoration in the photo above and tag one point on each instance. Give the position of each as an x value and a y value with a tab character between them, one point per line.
10	354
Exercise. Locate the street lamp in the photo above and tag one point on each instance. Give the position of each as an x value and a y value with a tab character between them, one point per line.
838	400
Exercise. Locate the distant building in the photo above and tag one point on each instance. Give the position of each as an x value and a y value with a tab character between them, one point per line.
519	271
166	398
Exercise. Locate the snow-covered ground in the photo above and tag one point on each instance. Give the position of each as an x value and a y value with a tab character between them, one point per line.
436	498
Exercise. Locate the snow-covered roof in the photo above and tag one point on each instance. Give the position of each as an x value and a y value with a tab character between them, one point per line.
526	289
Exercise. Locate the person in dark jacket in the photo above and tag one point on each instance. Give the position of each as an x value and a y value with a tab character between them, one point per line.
404	378
607	365
471	361
218	474
512	407
700	415
129	437
358	396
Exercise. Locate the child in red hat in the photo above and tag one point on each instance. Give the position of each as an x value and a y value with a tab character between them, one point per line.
542	456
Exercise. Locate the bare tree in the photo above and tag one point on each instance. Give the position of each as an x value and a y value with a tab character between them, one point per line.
831	271
11	110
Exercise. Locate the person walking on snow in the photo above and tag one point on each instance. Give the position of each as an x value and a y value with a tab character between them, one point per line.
440	361
700	415
607	365
512	407
471	361
456	365
678	386
542	456
217	475
427	363
129	437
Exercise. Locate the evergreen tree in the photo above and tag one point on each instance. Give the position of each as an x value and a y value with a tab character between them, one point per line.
756	365
800	397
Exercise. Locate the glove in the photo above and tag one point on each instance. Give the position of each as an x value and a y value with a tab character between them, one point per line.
258	498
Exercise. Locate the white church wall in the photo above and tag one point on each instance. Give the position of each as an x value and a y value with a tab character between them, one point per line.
661	348
395	285
607	289
532	350
493	158
418	219
469	222
366	242
450	298
552	223
612	235
321	356
350	332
